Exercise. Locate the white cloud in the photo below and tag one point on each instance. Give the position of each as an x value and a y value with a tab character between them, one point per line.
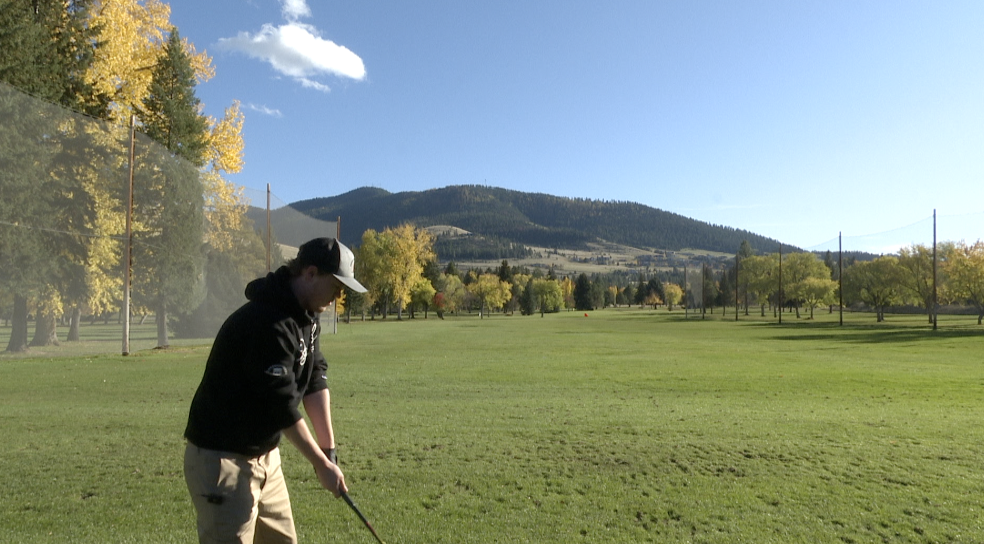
310	84
265	110
297	50
295	9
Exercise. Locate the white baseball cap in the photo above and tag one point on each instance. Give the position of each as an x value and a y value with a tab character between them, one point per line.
332	257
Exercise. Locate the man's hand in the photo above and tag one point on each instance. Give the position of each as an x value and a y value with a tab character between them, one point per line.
331	478
329	474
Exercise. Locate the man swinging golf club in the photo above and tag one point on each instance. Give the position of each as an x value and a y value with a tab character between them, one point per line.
265	362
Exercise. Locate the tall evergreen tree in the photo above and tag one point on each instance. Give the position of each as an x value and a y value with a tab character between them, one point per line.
168	259
582	293
640	292
505	272
527	301
45	48
654	287
172	115
627	296
745	249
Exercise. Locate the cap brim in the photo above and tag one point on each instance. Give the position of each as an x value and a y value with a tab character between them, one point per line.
351	283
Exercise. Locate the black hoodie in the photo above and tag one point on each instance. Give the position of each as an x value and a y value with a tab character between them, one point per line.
265	359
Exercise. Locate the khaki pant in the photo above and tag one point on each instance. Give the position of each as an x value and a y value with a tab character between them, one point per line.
239	499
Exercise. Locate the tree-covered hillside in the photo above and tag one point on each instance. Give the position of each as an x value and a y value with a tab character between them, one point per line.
527	218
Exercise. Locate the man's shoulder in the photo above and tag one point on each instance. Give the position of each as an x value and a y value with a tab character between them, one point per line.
262	313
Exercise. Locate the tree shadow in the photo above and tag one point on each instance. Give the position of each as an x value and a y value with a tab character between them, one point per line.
875	333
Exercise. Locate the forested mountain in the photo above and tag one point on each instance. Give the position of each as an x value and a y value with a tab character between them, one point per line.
533	219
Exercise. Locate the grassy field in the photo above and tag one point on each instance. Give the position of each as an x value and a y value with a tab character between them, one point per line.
623	426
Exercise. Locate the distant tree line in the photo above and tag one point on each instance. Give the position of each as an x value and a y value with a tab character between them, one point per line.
796	282
479	248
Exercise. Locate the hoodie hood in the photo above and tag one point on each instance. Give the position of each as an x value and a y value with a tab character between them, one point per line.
274	290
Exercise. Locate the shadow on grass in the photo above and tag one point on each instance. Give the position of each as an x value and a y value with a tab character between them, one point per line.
875	333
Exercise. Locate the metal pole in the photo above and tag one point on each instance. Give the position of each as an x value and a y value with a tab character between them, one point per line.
128	243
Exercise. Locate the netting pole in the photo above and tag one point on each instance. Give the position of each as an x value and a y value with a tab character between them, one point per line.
128	242
780	283
935	298
703	281
269	240
737	264
686	294
334	306
840	275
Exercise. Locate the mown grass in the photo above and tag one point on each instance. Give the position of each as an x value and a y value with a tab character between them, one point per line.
624	426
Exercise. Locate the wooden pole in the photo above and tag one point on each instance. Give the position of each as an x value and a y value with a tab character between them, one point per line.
840	274
269	240
128	242
703	282
737	264
686	293
936	301
334	305
780	283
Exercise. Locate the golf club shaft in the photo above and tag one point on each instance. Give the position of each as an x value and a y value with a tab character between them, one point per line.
363	518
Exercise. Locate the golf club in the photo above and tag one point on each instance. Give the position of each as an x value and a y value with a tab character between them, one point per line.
363	518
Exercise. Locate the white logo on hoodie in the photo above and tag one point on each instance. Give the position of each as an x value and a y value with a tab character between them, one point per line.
304	348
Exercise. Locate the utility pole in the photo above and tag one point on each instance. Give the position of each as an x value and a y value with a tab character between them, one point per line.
840	274
128	243
737	264
686	294
780	283
936	301
269	240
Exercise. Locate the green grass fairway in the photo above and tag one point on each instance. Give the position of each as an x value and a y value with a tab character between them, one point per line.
624	426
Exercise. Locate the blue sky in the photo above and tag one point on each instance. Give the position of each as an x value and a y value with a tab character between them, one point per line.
795	120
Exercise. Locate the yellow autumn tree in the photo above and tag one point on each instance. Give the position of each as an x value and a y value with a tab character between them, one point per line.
673	294
613	293
391	263
567	290
411	248
104	285
965	267
131	37
225	205
491	292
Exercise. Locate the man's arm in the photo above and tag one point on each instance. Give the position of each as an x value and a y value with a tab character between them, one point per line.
329	474
318	408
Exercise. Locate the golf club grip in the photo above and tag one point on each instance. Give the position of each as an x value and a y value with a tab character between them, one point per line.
362	517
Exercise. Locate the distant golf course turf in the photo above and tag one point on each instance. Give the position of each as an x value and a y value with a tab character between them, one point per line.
627	425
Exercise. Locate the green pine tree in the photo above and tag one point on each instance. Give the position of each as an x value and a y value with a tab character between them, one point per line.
582	293
172	115
528	302
45	48
168	260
